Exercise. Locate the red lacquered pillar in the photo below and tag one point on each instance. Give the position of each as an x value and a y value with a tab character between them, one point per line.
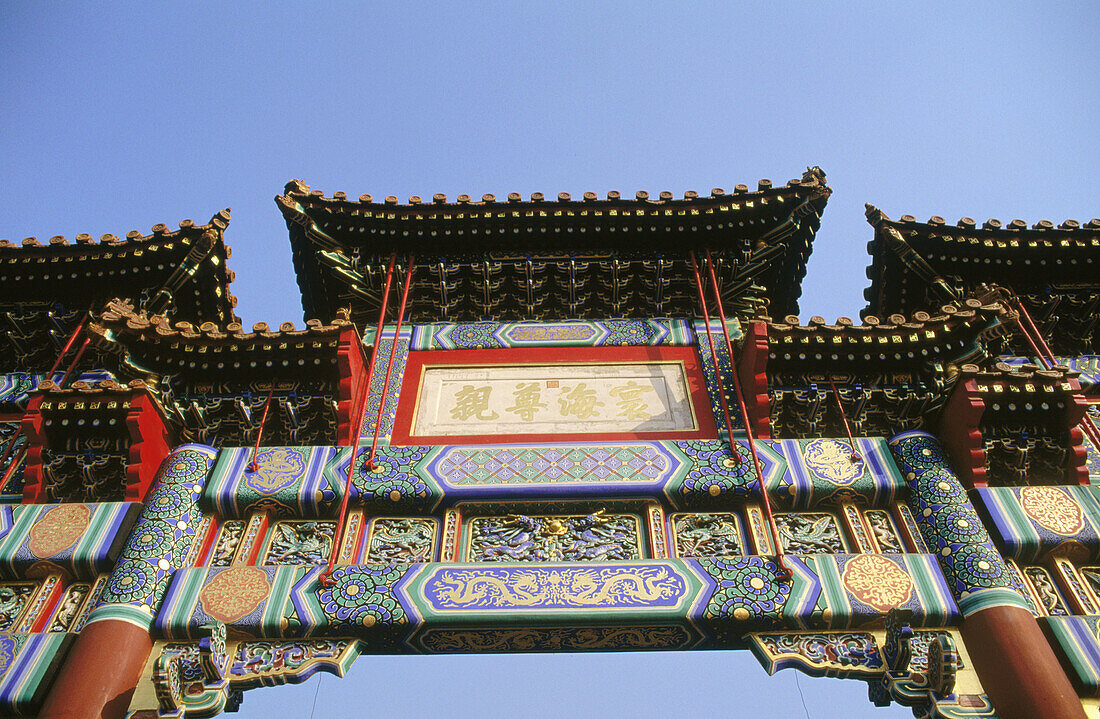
1017	667
1014	662
100	673
98	678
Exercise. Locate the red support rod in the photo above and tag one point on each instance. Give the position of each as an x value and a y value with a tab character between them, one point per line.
11	467
73	364
844	418
1031	342
68	345
260	430
359	408
11	444
714	358
784	572
1038	335
389	365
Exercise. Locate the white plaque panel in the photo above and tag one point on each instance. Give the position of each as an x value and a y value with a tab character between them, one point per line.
553	399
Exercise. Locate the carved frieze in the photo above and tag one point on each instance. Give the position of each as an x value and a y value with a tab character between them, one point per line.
885	531
295	542
229	538
702	534
810	533
401	539
572	538
14	597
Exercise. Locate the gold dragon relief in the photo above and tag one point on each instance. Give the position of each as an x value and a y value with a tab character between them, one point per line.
833	461
276	469
554	587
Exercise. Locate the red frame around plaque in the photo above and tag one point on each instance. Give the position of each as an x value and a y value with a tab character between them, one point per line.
419	361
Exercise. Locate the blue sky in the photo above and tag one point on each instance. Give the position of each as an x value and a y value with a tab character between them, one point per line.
118	117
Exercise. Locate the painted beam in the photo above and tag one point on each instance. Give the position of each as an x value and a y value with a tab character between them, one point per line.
309	481
655	604
1031	523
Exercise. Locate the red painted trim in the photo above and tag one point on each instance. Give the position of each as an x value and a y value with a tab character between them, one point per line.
351	366
212	530
150	443
33	426
417	361
960	428
1077	471
907	538
357	543
752	369
261	539
45	616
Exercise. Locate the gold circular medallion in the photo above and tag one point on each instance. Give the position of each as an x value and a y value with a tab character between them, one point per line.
234	593
877	582
1052	509
58	529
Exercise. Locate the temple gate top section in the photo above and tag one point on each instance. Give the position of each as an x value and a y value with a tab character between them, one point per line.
47	289
553	259
1053	270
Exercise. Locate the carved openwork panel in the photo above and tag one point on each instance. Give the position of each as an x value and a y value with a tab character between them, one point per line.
1018	455
810	533
301	413
1051	600
554	538
69	607
401	539
1091	575
885	531
229	538
707	535
802	406
14	599
93	470
299	542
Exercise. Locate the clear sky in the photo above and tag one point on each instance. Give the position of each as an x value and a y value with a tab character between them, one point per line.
117	117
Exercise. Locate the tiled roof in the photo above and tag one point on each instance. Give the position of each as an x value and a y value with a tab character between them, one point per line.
906	255
147	345
922	336
340	246
122	320
188	263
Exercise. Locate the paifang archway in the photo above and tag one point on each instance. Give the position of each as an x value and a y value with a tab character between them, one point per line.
577	425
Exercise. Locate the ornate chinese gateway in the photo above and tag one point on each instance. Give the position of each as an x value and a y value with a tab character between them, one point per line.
552	424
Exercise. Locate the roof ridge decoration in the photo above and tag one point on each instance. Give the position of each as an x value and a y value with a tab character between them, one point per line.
876	217
218	223
1023	376
121	318
97	387
296	189
990	304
